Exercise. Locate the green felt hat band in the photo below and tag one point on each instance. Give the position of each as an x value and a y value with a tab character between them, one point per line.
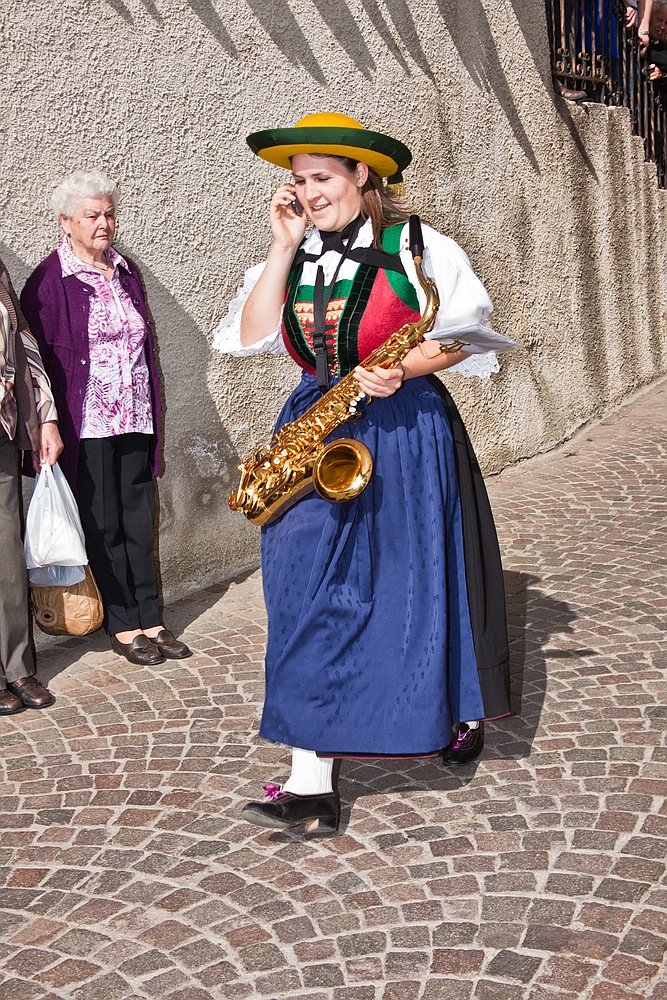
385	153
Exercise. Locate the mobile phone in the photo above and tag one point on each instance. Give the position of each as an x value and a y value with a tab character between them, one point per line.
296	206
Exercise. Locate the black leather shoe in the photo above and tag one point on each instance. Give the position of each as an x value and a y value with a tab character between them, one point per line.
31	692
466	745
10	704
283	810
170	646
141	650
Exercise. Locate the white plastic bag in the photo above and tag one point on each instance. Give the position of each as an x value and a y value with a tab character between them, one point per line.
56	576
53	532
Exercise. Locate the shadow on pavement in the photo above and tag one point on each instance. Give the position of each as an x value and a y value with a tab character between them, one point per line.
56	653
534	619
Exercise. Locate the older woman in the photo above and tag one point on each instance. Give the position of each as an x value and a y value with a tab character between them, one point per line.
85	304
386	613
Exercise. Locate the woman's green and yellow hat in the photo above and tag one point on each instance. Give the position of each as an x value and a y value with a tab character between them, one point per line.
333	135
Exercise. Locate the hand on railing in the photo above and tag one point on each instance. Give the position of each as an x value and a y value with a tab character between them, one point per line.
648	19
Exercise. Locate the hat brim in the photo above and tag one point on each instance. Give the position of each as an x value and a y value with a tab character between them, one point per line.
384	155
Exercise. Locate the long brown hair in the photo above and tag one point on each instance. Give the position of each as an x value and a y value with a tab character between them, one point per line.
376	203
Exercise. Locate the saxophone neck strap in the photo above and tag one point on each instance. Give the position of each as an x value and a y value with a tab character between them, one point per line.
330	241
370	256
384	259
379	259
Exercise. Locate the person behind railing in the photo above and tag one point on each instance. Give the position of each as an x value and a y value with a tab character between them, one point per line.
656	43
592	33
638	15
650	19
631	14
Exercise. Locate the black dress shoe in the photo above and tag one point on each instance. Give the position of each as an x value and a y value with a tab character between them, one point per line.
466	745
10	704
31	692
141	650
283	810
170	646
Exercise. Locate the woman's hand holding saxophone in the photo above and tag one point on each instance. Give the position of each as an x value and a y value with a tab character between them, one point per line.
380	381
425	359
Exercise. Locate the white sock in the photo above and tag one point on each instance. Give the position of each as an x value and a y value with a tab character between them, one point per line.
470	725
311	775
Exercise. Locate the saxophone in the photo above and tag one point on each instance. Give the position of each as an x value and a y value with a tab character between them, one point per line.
297	461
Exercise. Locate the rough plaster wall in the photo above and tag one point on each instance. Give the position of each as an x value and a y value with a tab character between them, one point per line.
554	204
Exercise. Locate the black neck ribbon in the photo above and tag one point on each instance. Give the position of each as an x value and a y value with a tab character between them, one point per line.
330	241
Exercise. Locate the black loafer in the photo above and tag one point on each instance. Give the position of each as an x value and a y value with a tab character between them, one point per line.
170	646
141	650
283	810
31	693
466	745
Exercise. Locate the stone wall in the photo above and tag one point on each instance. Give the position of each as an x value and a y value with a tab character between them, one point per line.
553	203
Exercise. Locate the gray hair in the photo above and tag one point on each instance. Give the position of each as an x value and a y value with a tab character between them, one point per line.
82	184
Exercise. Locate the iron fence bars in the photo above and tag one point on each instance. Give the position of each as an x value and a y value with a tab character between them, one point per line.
592	51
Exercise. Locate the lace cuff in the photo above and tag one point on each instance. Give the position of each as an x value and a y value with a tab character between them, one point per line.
477	365
227	334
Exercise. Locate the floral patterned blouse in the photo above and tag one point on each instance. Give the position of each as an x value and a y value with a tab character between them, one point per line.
118	397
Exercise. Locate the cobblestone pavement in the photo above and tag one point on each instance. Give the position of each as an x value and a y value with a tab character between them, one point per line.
537	872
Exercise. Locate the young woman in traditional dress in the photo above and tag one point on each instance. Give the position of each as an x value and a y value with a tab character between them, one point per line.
386	613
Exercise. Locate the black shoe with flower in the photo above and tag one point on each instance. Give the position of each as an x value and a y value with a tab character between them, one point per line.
466	745
284	810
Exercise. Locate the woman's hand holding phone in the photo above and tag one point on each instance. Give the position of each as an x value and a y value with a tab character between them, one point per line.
288	219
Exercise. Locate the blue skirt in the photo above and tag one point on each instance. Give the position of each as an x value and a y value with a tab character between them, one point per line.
370	647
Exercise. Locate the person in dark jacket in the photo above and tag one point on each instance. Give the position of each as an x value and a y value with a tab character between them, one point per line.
86	306
28	422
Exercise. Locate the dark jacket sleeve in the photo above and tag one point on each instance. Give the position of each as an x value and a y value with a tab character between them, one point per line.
58	316
27	426
37	302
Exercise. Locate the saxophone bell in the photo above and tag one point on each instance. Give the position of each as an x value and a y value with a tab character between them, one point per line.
342	470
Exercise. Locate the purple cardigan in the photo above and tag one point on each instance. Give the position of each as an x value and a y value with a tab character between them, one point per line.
57	309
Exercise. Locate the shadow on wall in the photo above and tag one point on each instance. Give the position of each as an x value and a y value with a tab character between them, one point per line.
211	20
469	29
204	9
280	24
126	14
536	36
17	268
471	33
200	460
404	27
532	20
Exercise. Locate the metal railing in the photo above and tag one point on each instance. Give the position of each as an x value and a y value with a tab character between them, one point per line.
591	50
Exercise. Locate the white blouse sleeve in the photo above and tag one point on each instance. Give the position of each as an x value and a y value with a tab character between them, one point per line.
464	303
227	334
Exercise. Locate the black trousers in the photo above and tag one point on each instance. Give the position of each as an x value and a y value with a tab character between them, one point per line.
16	655
116	498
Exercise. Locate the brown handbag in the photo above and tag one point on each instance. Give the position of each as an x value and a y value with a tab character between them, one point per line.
75	610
